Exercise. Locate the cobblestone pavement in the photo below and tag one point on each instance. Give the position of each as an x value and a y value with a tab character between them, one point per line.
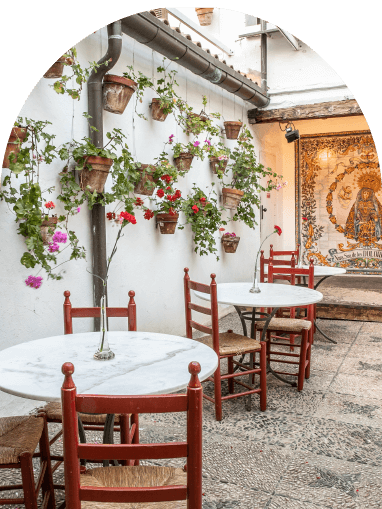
320	448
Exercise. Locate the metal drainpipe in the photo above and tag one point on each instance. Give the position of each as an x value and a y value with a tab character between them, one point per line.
95	110
263	40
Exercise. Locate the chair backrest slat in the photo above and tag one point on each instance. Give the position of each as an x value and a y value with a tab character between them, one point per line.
292	273
199	287
132	451
69	313
94	404
199	309
200	327
121	495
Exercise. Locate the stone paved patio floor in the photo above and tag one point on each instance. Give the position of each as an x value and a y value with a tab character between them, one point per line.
320	448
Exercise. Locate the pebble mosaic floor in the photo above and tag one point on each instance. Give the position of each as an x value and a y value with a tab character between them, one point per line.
320	448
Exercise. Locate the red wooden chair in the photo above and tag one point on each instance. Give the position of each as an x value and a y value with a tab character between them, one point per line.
106	486
19	438
227	345
292	327
273	254
93	422
266	261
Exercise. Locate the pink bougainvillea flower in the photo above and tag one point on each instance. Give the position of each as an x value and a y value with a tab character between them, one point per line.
278	230
50	205
60	237
196	143
170	138
34	281
78	209
229	234
208	142
53	247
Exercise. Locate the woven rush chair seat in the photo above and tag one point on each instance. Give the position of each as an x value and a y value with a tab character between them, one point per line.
133	477
231	343
54	412
19	435
285	324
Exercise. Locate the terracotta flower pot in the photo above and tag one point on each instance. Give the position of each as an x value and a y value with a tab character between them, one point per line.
47	229
232	130
167	222
230	244
147	184
184	161
94	179
17	134
157	111
216	165
117	92
204	15
191	128
231	197
56	70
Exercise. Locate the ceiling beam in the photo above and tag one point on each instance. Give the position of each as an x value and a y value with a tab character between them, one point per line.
331	109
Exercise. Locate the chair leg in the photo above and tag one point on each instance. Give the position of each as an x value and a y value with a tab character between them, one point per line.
47	484
218	394
303	356
291	341
30	498
135	420
309	353
124	434
230	372
263	376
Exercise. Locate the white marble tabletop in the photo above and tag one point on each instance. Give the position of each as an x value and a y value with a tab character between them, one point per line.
319	270
144	363
271	295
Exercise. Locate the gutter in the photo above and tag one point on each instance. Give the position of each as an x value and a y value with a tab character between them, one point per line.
147	29
95	110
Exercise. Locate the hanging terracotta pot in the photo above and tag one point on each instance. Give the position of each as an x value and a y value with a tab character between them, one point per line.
232	129
191	127
216	165
56	70
47	229
204	15
184	161
167	222
230	244
17	134
117	92
231	197
147	184
157	111
94	179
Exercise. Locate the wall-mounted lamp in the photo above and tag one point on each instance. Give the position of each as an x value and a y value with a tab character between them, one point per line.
291	133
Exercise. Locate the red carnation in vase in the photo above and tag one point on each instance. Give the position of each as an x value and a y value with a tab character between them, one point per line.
127	217
278	230
160	193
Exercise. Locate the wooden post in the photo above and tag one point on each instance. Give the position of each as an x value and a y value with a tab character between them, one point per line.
194	438
68	325
132	312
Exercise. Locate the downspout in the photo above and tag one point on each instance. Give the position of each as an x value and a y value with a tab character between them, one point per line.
95	110
263	41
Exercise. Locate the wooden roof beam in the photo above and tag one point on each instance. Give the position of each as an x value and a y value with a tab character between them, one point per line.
331	109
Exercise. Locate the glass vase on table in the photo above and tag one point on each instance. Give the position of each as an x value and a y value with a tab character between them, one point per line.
256	288
103	353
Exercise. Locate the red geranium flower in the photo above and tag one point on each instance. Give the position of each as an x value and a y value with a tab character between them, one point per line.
110	215
168	188
195	209
221	229
304	218
172	212
138	202
50	205
127	217
202	199
160	193
148	214
178	194
166	178
278	230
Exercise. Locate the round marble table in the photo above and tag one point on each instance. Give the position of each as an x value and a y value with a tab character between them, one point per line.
144	363
323	272
271	296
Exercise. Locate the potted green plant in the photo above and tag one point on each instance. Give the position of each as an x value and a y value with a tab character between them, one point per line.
219	157
243	191
55	71
184	153
117	92
142	83
230	242
205	218
77	73
196	123
168	202
16	138
33	210
167	98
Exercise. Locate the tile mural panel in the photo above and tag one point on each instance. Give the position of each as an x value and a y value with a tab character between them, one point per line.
338	182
